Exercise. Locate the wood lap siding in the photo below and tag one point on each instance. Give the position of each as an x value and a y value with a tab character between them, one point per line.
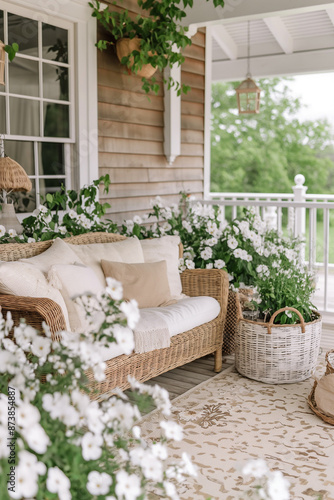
131	134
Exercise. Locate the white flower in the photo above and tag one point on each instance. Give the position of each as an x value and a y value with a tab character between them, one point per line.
26	483
187	226
41	346
114	289
219	264
278	486
137	219
2	231
30	461
128	485
255	468
188	466
27	415
190	264
72	214
170	490
152	468
232	242
131	311
31	240
12	233
172	430
91	446
4	449
36	438
209	266
206	254
98	484
159	450
57	481
124	338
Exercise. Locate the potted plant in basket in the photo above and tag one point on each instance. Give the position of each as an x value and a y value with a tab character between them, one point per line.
153	42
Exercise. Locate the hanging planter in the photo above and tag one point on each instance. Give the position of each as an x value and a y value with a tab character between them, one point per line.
124	47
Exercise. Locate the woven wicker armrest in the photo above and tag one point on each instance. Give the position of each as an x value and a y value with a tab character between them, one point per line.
208	282
34	310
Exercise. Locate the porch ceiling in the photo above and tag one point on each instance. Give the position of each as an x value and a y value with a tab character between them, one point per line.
299	38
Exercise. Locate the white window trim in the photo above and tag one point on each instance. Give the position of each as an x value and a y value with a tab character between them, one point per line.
85	161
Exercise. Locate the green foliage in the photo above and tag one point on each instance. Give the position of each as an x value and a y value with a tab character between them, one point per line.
263	153
64	214
251	254
162	36
11	50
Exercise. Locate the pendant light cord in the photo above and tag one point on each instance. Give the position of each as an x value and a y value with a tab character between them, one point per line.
248	50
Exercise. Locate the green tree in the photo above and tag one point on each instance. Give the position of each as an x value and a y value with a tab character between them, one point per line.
263	153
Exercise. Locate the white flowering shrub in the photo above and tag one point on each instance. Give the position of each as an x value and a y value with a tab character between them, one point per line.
252	255
57	443
63	214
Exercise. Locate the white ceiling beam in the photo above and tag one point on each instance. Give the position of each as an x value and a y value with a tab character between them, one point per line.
280	32
203	13
319	61
330	13
225	41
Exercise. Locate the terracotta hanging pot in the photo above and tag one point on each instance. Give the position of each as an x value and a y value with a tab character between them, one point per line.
124	47
2	63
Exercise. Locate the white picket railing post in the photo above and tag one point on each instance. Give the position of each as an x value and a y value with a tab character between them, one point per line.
299	191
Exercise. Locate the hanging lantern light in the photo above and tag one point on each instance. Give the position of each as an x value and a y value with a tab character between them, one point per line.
248	93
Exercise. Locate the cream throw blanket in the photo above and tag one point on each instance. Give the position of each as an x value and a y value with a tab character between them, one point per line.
151	332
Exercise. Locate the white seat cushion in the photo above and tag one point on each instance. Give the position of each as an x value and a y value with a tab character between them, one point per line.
187	313
180	317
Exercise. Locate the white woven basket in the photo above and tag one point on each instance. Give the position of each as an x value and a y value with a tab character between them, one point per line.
277	354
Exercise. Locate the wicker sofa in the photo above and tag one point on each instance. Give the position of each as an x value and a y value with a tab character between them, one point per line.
185	347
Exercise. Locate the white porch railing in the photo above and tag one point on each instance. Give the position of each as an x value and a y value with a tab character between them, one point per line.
300	214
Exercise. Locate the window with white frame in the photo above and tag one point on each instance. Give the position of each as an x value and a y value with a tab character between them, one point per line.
36	103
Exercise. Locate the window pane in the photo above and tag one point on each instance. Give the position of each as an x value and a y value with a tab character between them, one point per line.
56	120
51	159
23	31
25	202
49	186
55	82
24	116
2	114
55	46
23	153
2	35
23	77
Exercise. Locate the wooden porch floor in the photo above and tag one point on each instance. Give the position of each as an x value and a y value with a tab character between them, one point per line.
184	378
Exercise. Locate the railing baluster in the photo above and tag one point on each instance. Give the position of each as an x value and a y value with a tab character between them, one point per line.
326	255
234	210
312	237
279	217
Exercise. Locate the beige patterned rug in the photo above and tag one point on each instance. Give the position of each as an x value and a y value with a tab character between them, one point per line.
230	419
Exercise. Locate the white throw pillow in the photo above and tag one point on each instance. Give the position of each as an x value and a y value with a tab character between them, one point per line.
58	253
26	280
72	281
166	248
128	251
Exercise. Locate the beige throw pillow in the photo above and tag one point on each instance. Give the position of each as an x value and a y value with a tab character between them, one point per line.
72	281
26	280
58	253
147	283
166	248
128	250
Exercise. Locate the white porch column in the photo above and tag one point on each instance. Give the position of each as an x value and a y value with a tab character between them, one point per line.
172	116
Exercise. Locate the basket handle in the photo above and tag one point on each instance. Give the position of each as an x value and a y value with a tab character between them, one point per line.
271	321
